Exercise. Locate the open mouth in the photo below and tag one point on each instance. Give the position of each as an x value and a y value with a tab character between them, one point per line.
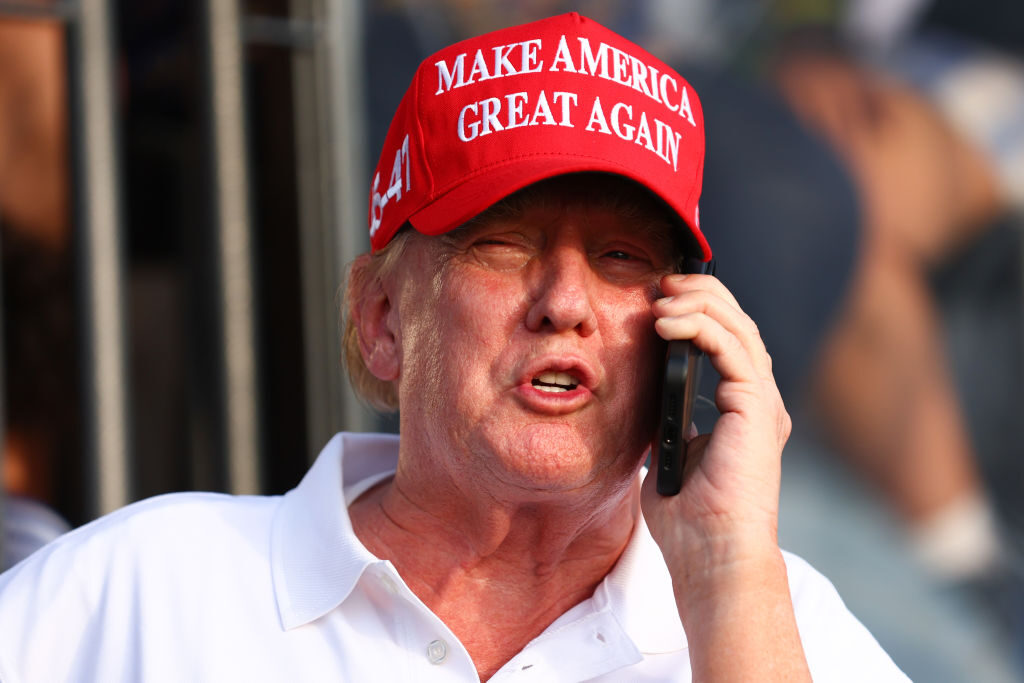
555	382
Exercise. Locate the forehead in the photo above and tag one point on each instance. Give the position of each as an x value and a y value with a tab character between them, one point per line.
637	208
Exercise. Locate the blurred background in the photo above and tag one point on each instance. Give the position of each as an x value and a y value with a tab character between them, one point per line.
182	183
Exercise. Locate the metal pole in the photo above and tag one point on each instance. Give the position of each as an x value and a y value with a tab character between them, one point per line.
101	265
344	127
316	249
234	248
329	133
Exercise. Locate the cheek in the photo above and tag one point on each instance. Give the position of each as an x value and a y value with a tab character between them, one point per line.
482	308
457	329
627	325
635	350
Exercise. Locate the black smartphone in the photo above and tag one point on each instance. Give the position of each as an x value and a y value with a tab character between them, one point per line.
678	394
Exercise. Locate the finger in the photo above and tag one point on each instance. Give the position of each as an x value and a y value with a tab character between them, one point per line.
713	304
679	283
727	353
734	320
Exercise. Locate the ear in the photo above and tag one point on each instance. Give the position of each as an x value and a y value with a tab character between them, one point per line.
372	315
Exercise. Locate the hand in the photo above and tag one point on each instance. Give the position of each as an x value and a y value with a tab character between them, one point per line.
719	534
731	485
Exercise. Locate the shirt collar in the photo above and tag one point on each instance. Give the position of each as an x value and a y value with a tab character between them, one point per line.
316	558
638	591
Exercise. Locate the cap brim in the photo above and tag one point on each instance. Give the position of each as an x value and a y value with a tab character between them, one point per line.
474	195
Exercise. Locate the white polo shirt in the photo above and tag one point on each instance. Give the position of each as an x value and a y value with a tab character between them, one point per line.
209	587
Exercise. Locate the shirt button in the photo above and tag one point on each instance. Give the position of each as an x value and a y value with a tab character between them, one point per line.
389	584
437	651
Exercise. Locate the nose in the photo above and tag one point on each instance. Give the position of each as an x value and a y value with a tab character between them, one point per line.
562	294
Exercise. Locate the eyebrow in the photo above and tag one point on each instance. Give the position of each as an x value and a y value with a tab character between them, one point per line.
661	229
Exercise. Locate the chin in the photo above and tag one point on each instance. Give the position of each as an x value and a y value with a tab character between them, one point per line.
558	457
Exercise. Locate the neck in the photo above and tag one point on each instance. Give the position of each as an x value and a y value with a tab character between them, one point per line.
497	572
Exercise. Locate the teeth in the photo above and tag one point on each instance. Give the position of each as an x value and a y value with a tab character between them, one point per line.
555	381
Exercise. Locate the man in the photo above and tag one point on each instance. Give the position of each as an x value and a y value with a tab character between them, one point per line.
536	190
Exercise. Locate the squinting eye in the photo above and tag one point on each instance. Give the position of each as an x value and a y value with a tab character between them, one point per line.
500	253
628	266
493	244
619	255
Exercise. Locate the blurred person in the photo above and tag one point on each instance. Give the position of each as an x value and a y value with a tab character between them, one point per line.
928	117
514	311
883	383
935	164
38	324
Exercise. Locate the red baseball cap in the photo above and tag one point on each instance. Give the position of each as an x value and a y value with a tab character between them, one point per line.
490	115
